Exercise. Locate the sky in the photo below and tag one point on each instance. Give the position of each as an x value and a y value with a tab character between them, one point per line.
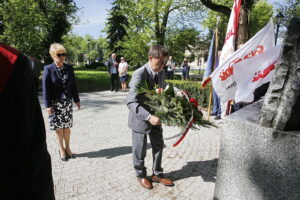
93	14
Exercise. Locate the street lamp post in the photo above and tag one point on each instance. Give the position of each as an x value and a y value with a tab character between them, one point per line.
279	18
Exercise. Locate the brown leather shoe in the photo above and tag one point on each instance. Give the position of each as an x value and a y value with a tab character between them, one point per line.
145	183
162	180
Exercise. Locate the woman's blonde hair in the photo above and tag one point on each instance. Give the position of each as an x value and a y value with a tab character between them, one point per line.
56	47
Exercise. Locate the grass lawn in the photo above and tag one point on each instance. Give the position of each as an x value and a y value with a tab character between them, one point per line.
92	80
89	80
197	72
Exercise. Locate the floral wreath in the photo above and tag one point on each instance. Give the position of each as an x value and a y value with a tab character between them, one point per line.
174	108
183	132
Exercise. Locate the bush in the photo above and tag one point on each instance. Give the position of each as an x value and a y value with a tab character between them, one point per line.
93	65
194	89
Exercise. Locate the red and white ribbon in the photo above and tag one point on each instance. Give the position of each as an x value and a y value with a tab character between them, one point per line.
184	130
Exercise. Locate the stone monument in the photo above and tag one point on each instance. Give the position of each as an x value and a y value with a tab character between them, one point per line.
281	108
260	146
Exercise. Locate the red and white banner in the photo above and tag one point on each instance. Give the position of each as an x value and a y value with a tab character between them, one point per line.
254	72
229	43
232	28
223	82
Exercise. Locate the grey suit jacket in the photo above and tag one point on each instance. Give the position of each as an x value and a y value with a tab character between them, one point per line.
135	102
111	64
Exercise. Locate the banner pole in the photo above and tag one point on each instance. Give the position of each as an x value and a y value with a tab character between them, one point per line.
213	66
209	102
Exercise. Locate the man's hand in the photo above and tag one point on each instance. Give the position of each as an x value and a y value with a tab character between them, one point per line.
50	111
155	121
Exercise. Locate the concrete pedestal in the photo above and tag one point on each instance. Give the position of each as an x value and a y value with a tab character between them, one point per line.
257	163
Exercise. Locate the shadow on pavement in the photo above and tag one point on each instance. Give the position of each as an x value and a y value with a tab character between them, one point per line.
206	169
109	153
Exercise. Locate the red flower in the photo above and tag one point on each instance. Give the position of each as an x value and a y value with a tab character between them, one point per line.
160	90
194	102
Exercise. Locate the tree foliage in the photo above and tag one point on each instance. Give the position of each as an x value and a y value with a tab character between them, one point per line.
155	14
84	50
136	47
210	22
116	27
148	24
260	13
32	25
183	39
290	9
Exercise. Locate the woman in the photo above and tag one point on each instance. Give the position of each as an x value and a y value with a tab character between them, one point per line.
171	68
123	68
59	88
185	69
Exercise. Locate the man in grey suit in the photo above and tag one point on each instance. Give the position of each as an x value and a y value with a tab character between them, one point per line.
142	122
113	72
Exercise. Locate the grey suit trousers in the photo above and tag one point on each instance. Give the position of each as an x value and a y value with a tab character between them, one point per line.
139	147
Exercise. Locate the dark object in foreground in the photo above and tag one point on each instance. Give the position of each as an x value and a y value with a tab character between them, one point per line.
26	165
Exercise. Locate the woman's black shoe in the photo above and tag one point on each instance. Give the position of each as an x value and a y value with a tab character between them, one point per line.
71	156
63	159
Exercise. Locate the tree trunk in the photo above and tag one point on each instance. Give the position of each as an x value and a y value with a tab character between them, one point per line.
243	30
160	28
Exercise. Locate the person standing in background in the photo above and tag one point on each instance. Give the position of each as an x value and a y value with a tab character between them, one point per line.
123	68
216	110
114	72
36	70
171	68
185	69
59	88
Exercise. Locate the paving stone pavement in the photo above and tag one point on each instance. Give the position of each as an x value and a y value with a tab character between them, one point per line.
103	167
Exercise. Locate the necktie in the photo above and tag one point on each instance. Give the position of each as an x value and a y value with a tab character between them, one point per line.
156	78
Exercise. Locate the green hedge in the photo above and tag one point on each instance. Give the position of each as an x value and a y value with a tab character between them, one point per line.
194	89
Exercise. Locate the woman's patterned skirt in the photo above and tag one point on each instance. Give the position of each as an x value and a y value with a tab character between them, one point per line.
63	114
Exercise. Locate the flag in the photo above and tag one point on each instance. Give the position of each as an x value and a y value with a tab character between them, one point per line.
222	79
212	60
254	72
232	28
229	43
212	64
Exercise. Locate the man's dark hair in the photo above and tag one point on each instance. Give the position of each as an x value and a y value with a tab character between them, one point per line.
158	51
